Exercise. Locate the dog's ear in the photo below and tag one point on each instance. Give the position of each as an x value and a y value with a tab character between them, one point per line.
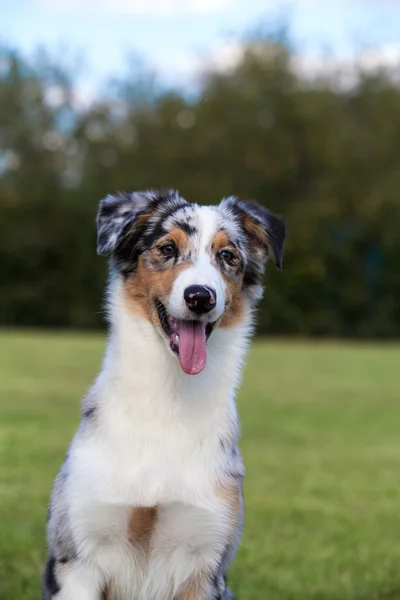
266	230
115	216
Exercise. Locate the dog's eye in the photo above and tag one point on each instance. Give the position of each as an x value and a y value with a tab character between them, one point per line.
168	250
227	256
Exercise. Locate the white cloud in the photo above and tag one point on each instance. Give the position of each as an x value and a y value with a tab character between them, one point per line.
137	7
386	56
225	56
346	68
186	70
84	95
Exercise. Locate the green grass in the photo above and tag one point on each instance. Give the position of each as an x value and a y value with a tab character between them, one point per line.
321	443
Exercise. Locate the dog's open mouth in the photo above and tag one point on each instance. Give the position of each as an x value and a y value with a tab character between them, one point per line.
187	339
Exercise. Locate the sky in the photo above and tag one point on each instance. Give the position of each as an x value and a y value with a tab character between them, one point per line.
176	36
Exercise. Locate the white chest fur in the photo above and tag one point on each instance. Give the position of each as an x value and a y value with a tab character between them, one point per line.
155	439
175	469
185	541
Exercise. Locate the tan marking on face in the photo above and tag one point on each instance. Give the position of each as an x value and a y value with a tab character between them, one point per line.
230	492
142	524
196	588
234	304
145	286
221	240
178	236
234	301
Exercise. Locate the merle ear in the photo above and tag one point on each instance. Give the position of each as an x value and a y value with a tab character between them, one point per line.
265	229
115	215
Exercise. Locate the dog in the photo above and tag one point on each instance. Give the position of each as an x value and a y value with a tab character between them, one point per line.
148	503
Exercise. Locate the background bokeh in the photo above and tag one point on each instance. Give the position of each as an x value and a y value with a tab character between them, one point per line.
293	104
314	137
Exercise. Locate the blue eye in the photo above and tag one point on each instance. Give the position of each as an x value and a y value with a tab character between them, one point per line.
168	250
227	256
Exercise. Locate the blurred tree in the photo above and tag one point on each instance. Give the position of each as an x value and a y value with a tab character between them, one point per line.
321	154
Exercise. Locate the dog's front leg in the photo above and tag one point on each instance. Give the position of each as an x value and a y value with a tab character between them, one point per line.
71	581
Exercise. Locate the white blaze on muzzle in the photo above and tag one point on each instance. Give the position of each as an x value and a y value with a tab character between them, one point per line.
189	321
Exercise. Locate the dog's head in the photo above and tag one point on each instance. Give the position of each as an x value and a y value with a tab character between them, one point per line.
188	269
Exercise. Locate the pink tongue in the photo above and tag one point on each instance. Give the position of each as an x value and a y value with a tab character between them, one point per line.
192	346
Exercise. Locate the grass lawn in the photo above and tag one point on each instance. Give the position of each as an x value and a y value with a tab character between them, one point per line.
321	442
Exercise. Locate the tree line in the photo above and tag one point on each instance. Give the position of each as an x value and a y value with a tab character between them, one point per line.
322	154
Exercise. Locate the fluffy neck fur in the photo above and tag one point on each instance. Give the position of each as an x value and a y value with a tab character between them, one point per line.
147	378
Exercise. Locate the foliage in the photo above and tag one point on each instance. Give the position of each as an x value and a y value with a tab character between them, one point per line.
323	155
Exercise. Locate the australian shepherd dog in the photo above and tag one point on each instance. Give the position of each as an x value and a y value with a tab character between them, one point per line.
148	503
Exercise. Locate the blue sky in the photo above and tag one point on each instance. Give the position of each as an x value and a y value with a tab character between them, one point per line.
174	35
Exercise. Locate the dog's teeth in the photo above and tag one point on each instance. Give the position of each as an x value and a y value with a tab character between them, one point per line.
177	340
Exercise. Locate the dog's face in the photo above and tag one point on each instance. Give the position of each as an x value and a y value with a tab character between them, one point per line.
186	268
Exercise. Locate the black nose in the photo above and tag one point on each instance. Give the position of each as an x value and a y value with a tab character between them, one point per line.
200	299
